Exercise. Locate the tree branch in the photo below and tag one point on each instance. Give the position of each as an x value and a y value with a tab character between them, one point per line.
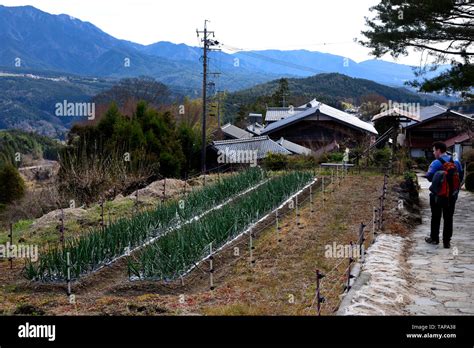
440	50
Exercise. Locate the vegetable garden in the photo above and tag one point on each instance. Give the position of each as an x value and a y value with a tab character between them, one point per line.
103	245
171	239
172	255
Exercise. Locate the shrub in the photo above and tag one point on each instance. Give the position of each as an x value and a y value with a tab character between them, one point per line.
422	163
324	158
301	162
275	161
409	176
381	157
336	157
470	182
12	186
407	163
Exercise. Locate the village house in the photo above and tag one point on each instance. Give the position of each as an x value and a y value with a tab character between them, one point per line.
316	125
248	150
432	123
310	129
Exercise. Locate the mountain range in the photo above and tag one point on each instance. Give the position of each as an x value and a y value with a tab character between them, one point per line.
46	58
35	39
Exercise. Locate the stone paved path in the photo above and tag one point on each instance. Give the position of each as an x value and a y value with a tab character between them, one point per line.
407	276
443	278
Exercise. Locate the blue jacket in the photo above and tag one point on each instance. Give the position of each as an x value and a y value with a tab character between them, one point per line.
437	165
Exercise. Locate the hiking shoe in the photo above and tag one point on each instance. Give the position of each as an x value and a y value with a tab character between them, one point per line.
431	241
447	245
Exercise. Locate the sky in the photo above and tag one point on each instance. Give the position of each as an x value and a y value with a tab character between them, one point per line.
315	25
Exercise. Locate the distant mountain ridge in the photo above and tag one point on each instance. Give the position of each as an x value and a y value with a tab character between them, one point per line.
330	88
33	42
66	44
35	39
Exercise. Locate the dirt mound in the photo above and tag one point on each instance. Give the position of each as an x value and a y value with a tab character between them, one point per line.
168	188
53	217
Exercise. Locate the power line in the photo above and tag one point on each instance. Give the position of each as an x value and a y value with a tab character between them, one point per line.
273	60
260	56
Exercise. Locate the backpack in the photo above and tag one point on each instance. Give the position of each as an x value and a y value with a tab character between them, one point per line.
448	183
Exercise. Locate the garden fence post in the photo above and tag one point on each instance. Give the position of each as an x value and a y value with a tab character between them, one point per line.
319	298
374	218
348	285
10	258
61	228
332	175
277	226
211	267
322	190
297	211
251	248
381	213
361	240
68	264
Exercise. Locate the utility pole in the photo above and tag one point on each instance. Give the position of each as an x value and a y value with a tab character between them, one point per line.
218	111
219	95
207	44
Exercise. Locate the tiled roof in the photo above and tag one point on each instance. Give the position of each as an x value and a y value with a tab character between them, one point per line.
460	138
255	128
263	145
235	132
435	110
396	112
276	114
295	148
327	110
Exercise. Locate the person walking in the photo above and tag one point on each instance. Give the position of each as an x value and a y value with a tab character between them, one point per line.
445	175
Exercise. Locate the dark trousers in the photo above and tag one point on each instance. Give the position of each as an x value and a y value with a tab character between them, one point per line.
446	210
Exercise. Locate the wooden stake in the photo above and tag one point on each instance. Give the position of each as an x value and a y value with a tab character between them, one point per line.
277	226
297	211
61	229
319	299
251	248
322	190
11	246
211	268
348	285
68	263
